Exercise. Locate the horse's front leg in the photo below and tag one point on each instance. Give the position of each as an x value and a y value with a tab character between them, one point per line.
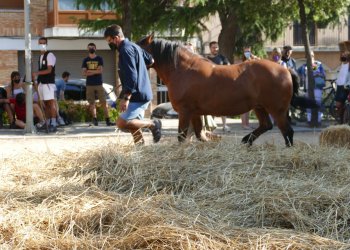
197	127
184	123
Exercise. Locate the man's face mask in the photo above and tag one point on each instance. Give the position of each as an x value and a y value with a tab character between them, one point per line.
112	46
92	50
247	54
42	47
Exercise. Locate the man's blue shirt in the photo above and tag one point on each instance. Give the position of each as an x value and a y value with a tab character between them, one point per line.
133	71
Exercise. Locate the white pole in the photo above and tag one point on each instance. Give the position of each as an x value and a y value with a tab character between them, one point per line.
28	59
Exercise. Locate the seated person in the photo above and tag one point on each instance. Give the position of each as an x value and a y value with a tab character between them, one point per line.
5	106
16	86
20	112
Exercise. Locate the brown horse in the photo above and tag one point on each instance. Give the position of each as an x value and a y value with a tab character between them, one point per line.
198	87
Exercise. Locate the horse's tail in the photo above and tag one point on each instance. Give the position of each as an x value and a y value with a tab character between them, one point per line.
300	102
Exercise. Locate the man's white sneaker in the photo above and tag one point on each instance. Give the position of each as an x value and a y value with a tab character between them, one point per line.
60	121
226	129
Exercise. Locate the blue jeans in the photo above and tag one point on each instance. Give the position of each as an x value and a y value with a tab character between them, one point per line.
135	110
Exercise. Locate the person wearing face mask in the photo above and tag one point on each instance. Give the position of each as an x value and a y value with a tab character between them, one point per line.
287	58
342	92
45	78
136	93
219	59
276	57
319	75
16	86
92	68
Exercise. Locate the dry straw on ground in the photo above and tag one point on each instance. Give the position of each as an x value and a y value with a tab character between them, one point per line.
170	196
336	136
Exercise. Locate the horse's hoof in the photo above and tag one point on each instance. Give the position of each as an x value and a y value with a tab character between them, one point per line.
181	138
212	137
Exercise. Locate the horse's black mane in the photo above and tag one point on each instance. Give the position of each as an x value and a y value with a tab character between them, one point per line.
165	51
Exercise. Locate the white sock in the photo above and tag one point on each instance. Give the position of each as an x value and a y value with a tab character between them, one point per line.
53	122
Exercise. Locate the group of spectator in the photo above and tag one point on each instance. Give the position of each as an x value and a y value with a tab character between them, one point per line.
135	96
342	80
47	91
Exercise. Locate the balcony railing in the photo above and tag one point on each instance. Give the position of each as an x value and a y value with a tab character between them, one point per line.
71	17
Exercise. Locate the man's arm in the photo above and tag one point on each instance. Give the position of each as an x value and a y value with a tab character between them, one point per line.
98	71
129	70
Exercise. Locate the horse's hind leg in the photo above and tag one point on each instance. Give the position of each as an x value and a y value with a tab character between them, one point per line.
285	128
265	124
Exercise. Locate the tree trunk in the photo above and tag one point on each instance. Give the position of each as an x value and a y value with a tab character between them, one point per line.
311	81
227	36
126	18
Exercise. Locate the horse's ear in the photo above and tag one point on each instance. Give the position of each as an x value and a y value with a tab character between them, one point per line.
150	38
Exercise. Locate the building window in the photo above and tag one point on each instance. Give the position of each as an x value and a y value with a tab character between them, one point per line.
69	5
12	4
298	37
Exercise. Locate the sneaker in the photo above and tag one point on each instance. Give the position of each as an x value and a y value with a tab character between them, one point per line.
226	128
52	129
60	121
42	128
157	130
109	123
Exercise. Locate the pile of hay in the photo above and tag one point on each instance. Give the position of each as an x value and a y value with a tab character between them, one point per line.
336	136
170	196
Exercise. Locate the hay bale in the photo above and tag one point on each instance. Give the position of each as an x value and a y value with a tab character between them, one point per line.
336	136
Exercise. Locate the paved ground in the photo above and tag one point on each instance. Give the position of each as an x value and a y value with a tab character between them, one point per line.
79	137
169	129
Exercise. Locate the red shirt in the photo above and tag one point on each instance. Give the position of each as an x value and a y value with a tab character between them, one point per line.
20	110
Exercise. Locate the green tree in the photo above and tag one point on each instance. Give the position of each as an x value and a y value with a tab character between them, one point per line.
244	22
137	18
320	13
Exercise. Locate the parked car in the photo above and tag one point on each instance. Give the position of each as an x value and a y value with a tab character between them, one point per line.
76	90
164	110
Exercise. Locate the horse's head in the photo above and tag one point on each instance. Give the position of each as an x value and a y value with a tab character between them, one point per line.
164	53
146	42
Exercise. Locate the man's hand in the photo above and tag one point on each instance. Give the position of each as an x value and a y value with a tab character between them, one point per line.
123	105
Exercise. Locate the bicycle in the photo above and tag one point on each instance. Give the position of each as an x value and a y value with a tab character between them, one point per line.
328	107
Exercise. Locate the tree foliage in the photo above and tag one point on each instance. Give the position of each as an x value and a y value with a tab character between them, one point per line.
244	22
320	13
136	17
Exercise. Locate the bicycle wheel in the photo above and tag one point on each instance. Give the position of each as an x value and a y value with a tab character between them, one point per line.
333	111
298	114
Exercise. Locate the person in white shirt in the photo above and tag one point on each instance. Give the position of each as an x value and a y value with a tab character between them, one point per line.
342	93
46	80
